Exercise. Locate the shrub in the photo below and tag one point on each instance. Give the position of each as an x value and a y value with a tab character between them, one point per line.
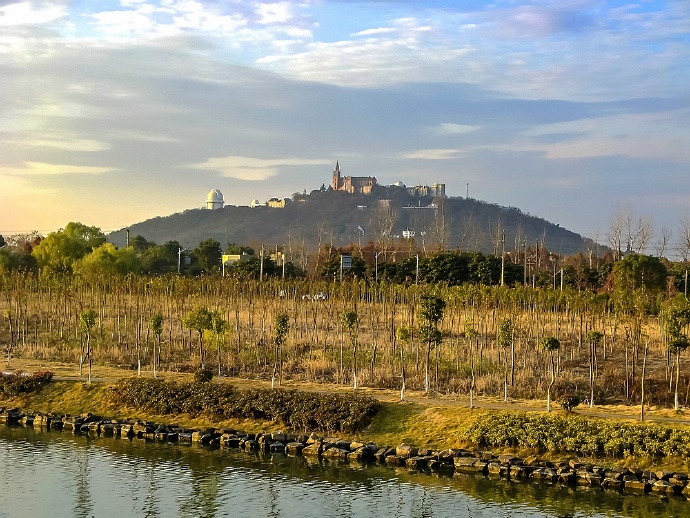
203	375
298	410
20	382
569	402
579	435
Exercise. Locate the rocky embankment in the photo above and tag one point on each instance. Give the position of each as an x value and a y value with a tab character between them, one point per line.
449	461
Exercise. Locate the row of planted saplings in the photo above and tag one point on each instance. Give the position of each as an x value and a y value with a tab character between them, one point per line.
450	460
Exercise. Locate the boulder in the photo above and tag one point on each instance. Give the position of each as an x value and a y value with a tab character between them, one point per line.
406	451
636	486
313	449
277	447
335	453
417	462
294	448
394	460
663	486
362	454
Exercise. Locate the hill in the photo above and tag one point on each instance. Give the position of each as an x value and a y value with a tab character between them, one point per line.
386	216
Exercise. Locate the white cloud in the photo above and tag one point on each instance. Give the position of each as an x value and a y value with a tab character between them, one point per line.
370	32
279	12
25	13
433	154
253	169
449	128
41	168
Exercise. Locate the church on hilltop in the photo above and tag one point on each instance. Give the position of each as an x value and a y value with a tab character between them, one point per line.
352	184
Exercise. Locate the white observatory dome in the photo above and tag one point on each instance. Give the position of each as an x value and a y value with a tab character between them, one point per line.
214	200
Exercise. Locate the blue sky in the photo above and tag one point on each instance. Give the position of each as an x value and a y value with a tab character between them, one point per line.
116	112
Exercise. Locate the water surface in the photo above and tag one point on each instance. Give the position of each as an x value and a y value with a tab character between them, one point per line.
48	473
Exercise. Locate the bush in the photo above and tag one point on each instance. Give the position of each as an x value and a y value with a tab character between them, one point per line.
298	410
20	382
579	435
203	375
569	402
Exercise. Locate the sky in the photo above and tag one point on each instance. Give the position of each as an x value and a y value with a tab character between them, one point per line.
112	113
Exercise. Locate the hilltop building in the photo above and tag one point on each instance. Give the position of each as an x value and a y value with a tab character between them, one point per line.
214	200
352	184
436	190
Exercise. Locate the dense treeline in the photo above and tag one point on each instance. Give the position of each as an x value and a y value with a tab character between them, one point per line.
533	326
82	250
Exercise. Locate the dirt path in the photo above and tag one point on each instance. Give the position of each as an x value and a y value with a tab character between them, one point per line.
69	372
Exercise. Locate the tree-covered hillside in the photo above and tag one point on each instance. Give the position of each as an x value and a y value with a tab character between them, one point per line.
385	218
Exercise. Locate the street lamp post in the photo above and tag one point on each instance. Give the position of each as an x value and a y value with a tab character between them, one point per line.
179	257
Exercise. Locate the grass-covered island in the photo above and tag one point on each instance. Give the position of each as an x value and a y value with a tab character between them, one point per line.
360	426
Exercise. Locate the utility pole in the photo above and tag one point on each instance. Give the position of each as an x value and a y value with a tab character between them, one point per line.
179	258
416	275
503	254
127	238
524	270
261	264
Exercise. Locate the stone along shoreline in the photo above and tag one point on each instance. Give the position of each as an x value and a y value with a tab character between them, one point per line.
449	461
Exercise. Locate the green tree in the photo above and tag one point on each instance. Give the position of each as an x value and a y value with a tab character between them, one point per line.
140	244
87	319
156	325
209	255
158	260
235	249
403	335
108	260
593	339
504	339
331	269
472	336
431	308
550	344
58	252
677	318
350	321
218	327
199	319
636	271
282	325
92	237
12	259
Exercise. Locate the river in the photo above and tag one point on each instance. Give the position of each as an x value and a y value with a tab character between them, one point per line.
50	473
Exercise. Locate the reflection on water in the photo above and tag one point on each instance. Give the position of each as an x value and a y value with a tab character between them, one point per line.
56	474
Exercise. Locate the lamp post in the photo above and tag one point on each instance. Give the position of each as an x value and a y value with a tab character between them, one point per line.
416	275
179	258
503	255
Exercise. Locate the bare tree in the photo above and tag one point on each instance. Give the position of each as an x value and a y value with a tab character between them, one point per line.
639	232
617	226
684	238
662	244
386	218
469	236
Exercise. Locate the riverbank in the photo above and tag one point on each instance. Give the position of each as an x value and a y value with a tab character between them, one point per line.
428	423
450	461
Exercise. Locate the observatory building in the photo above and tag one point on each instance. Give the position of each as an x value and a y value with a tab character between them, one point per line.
214	200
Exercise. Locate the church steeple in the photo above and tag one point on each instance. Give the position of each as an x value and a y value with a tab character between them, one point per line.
335	182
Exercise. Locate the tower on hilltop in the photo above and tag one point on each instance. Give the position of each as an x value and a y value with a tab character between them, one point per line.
352	184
